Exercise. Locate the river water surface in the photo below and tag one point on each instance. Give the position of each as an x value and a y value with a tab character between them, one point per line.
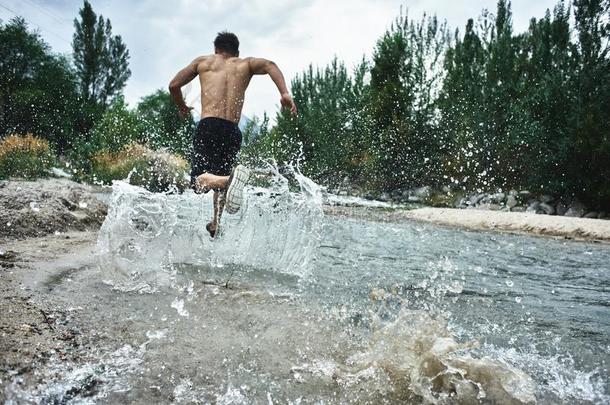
291	306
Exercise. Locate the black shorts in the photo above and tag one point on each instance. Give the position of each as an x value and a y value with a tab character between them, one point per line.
215	146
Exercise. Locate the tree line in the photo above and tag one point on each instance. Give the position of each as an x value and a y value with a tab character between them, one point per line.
482	108
77	103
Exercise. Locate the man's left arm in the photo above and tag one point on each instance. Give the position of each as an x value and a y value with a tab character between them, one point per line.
182	78
260	66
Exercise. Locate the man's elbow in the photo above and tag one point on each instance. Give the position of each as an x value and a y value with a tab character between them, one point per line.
270	66
173	86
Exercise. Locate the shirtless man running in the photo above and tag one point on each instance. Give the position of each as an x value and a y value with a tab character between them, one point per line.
224	78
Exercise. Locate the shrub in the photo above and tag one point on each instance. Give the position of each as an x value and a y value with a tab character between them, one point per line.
25	157
157	171
117	128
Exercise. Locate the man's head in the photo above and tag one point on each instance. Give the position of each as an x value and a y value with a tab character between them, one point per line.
227	42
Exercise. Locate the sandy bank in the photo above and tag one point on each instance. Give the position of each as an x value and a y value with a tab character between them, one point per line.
517	222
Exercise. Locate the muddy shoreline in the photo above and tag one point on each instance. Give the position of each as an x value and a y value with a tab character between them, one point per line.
34	329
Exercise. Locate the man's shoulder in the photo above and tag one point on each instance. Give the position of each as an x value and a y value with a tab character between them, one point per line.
202	58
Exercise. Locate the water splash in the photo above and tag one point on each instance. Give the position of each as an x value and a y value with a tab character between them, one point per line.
416	358
147	236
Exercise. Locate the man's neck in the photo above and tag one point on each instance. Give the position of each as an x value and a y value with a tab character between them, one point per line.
225	55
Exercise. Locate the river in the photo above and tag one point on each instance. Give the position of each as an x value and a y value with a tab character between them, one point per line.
290	306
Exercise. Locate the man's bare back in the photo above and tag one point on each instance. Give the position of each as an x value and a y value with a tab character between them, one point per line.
224	79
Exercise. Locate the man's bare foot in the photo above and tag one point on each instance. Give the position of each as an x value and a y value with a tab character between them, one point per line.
211	228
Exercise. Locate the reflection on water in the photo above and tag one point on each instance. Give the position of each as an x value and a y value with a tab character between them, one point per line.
335	310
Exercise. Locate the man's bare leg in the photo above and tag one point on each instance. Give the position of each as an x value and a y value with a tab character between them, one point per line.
219	203
208	181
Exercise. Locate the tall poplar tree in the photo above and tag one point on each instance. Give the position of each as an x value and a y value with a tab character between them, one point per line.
101	58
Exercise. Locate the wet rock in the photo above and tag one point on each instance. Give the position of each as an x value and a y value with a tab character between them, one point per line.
533	206
547	209
561	208
518	208
422	192
511	201
413	199
546	199
525	195
461	203
58	172
476	199
85	388
577	209
602	215
497	198
591	214
489	207
385	197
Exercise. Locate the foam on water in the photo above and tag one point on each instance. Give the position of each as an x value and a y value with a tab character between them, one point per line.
62	382
145	235
420	355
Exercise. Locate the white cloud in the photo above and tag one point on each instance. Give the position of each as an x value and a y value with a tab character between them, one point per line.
163	36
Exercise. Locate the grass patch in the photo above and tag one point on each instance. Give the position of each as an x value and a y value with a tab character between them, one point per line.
26	157
157	171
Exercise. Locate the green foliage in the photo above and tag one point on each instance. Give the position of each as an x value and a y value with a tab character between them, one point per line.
162	127
25	157
256	142
405	78
484	109
325	138
101	58
591	117
37	89
528	110
487	109
157	171
117	128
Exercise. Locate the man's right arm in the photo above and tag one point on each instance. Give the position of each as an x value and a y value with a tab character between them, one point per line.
260	66
183	77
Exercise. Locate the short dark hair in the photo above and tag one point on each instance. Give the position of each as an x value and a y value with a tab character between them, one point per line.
227	42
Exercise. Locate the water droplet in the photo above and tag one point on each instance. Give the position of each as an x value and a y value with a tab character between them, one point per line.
509	283
518	300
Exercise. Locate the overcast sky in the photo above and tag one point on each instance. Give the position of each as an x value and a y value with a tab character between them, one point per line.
164	36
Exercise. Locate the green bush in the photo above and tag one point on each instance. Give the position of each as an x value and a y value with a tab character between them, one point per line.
157	171
25	157
117	128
